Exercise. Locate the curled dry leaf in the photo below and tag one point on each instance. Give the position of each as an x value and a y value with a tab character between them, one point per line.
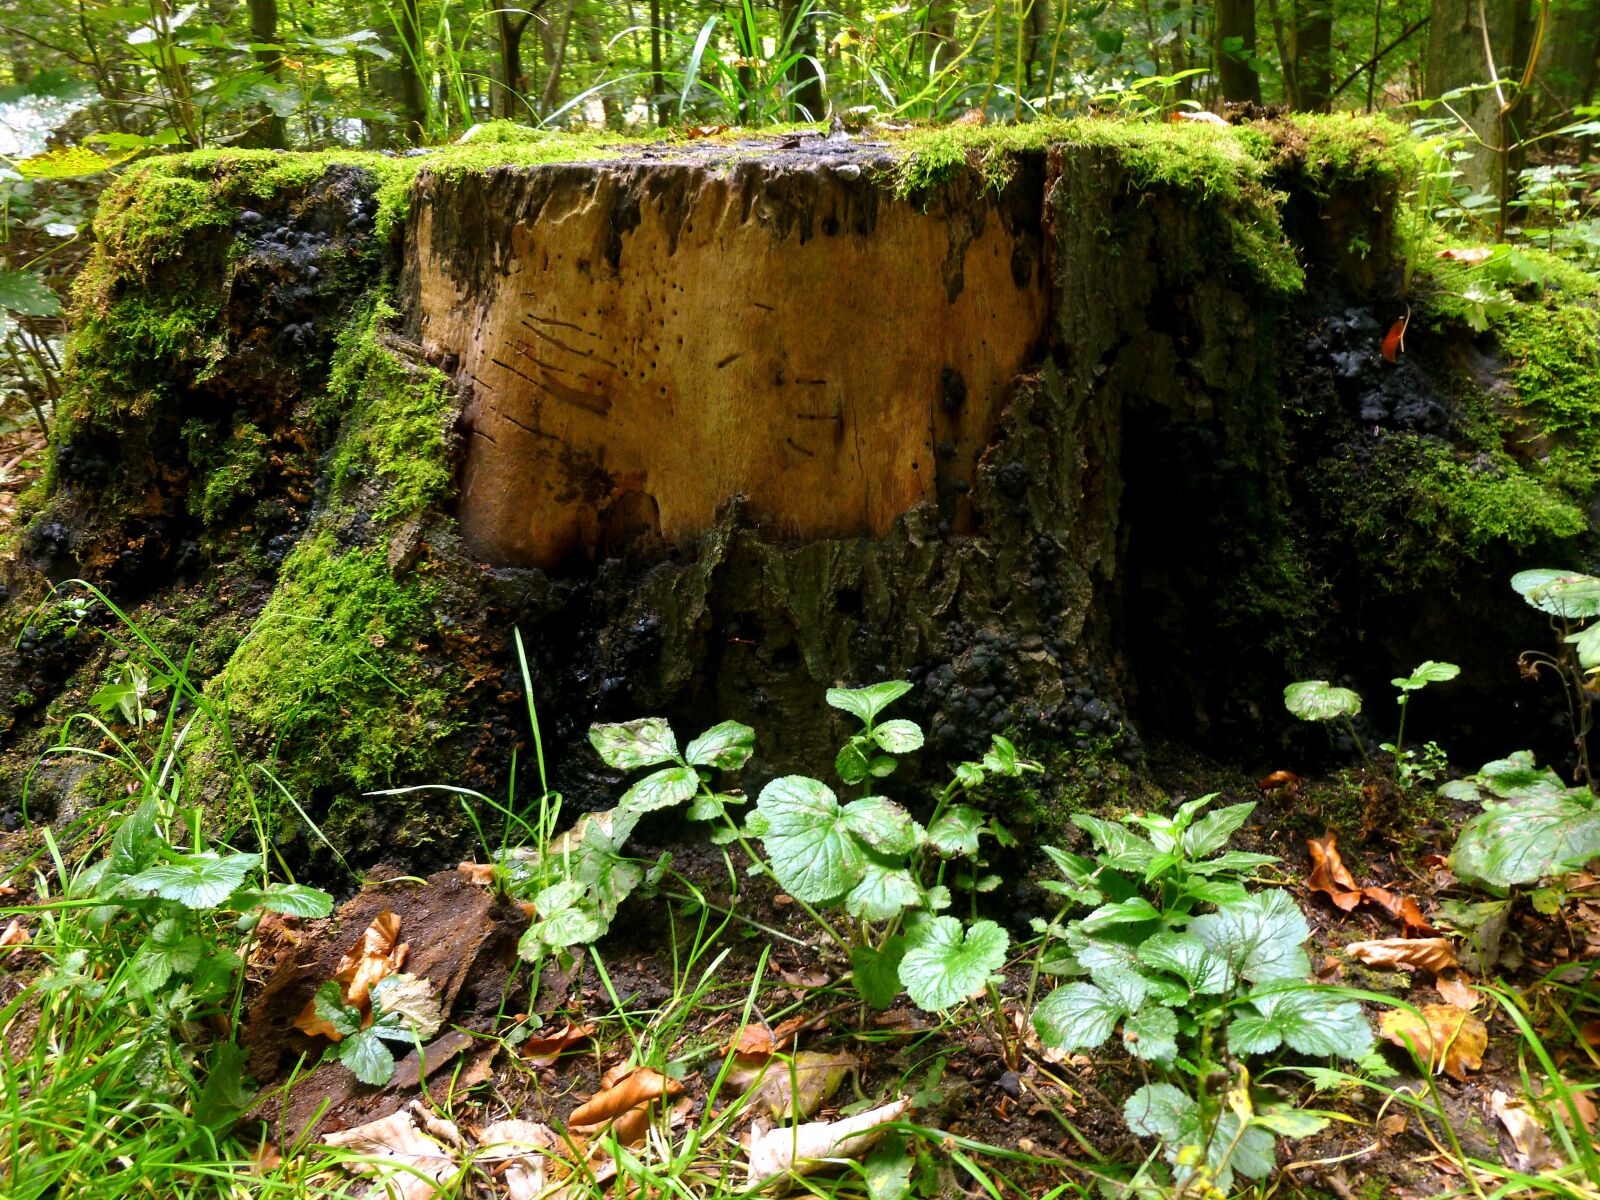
542	1051
378	954
1402	908
16	934
481	874
757	1040
797	1086
1395	340
409	1152
1432	955
1329	875
806	1148
1465	254
634	1090
517	1151
1457	989
1531	1148
1450	1038
1279	779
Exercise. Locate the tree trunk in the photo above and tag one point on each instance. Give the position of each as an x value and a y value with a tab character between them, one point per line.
1311	53
510	27
555	55
658	81
798	35
1567	66
1456	59
1234	49
594	44
264	29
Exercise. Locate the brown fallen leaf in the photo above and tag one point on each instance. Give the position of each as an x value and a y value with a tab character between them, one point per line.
1279	779
410	1153
16	934
1450	1038
378	954
787	1087
1465	254
757	1040
517	1148
635	1089
1329	875
1457	989
481	874
1432	955
1531	1148
805	1148
543	1050
1402	908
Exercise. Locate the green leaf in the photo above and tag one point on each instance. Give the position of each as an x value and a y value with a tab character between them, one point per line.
884	892
1190	959
293	899
727	746
1211	832
1077	1016
367	1057
882	824
27	294
1233	862
1587	644
135	843
1160	1110
196	881
812	853
330	1006
851	764
877	972
1163	1111
899	736
942	967
1080	874
168	951
565	918
663	789
408	1004
1516	777
955	833
1305	1017
1318	700
866	703
1152	1034
1428	672
888	1169
1001	757
1262	938
1509	844
633	744
1131	911
227	1091
1291	1122
1560	593
1121	849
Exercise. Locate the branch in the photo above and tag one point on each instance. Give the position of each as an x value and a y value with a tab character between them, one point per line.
1372	63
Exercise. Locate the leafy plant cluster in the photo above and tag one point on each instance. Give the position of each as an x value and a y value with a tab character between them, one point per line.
1199	972
1318	700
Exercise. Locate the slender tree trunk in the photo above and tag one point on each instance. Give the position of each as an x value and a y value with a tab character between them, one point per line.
658	81
1311	54
1567	66
1235	49
514	82
555	46
264	31
595	47
798	34
1456	36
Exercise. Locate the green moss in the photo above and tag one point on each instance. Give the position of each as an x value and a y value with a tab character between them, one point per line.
330	672
228	472
397	416
150	216
1339	146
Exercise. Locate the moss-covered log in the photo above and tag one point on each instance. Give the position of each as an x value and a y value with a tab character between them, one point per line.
1050	420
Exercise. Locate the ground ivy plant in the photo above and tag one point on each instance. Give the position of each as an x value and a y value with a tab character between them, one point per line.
1197	971
1533	825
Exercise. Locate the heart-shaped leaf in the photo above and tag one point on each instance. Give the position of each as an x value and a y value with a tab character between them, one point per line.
943	966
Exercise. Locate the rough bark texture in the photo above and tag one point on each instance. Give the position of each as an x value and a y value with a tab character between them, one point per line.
1090	450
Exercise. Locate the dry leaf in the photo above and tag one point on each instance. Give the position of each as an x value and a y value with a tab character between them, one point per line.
1205	118
1329	875
1450	1038
481	874
1406	954
542	1051
409	1160
805	1148
16	934
517	1148
1465	254
1280	779
635	1089
1402	908
787	1087
378	954
756	1040
1457	989
1532	1150
1395	340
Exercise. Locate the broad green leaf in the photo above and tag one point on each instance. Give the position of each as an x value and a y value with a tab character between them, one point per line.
1132	911
942	967
1428	672
888	1169
411	1003
293	899
1211	832
1587	644
1215	891
1163	1111
632	744
1303	1016
813	855
1001	757
1232	861
1516	777
1262	938
1190	959
1159	1110
135	843
27	294
851	764
1112	963
1121	849
727	746
712	806
882	824
866	703
1531	839
565	918
1079	874
197	881
1319	700
367	1058
662	789
1560	593
1291	1122
898	736
955	833
1077	1016
884	892
168	951
228	1090
330	1006
1152	1034
877	972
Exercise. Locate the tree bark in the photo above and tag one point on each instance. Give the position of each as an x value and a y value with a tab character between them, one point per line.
555	53
514	82
798	34
1311	54
264	30
1567	66
1234	48
1456	59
